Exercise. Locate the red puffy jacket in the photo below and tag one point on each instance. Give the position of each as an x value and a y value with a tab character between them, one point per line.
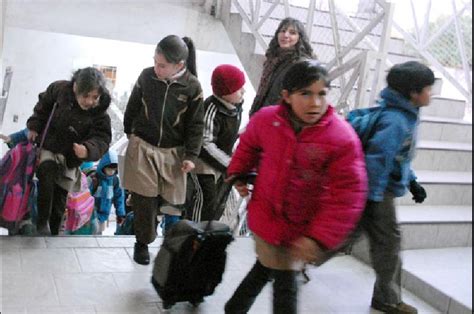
311	184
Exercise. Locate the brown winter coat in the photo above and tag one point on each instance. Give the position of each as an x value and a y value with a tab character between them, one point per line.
71	124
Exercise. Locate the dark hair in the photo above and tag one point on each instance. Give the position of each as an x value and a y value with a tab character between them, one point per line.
89	79
176	50
303	47
304	73
410	77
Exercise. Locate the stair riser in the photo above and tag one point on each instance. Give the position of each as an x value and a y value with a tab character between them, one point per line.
446	108
443	160
442	194
419	236
436	235
445	132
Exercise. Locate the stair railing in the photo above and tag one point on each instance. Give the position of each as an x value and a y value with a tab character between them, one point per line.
422	41
343	60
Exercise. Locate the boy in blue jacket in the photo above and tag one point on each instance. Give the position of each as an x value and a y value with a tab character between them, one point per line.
105	188
389	153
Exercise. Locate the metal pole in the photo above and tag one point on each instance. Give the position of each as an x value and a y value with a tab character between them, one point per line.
462	50
310	20
337	39
383	52
287	8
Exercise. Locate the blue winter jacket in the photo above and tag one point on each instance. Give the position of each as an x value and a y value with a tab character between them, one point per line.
392	147
107	189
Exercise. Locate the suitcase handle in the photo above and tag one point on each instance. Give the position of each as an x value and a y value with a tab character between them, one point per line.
224	191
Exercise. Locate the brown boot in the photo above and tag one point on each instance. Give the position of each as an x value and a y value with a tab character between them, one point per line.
141	254
400	308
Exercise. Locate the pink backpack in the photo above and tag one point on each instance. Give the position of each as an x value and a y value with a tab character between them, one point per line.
16	182
80	206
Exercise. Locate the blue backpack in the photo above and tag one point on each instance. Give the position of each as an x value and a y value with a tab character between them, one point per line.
363	121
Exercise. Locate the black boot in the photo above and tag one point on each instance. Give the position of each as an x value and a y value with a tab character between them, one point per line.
141	254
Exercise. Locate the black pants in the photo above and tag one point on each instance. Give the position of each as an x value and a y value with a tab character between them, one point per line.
145	220
201	197
285	291
51	197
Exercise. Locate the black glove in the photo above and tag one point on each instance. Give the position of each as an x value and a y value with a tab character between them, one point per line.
419	193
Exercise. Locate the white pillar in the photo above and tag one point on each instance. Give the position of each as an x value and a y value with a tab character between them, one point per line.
3	8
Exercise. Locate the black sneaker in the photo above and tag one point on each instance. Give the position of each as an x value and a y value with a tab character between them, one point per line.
400	308
141	254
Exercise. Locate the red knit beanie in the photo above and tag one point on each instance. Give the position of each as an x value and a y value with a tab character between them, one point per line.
226	80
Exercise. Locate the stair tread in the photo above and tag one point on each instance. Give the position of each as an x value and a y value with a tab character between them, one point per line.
434	214
428	118
443	145
444	177
448	270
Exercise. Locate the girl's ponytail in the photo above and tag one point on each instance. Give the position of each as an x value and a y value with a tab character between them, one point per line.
191	61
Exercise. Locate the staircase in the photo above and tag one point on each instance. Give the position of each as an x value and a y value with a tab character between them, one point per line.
437	235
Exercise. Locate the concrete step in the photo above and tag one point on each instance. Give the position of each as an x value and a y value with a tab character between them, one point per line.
445	129
426	227
443	156
442	187
441	277
446	108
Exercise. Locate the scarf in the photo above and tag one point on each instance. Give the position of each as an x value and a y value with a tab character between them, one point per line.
270	69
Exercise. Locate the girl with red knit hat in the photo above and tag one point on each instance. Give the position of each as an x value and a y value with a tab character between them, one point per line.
223	115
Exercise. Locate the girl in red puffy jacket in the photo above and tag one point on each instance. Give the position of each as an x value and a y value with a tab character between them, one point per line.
310	190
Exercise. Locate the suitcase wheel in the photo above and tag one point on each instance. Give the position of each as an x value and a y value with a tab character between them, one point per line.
197	302
168	305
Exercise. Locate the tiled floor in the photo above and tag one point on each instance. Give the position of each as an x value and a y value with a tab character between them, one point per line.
98	275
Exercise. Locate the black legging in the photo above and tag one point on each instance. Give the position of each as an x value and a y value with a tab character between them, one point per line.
51	197
285	291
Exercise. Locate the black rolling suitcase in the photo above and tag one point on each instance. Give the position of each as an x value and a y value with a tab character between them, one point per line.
191	262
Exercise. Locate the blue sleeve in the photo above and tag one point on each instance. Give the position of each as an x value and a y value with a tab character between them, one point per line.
18	137
382	149
412	176
119	198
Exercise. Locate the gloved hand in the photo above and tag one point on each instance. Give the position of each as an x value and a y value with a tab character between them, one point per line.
419	193
120	219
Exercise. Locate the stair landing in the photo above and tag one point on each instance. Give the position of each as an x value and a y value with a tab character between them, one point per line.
98	275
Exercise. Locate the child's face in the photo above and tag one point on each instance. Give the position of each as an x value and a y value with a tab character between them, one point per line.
165	70
109	171
235	98
308	104
422	99
288	37
88	100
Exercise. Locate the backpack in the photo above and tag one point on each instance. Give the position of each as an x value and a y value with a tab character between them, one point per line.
363	121
80	206
16	182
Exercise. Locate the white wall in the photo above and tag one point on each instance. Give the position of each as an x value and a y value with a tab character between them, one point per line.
3	10
39	58
141	21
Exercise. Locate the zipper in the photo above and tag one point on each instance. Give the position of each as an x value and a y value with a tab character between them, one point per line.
163	113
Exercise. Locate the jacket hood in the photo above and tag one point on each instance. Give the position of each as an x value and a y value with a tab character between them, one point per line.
392	98
109	158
